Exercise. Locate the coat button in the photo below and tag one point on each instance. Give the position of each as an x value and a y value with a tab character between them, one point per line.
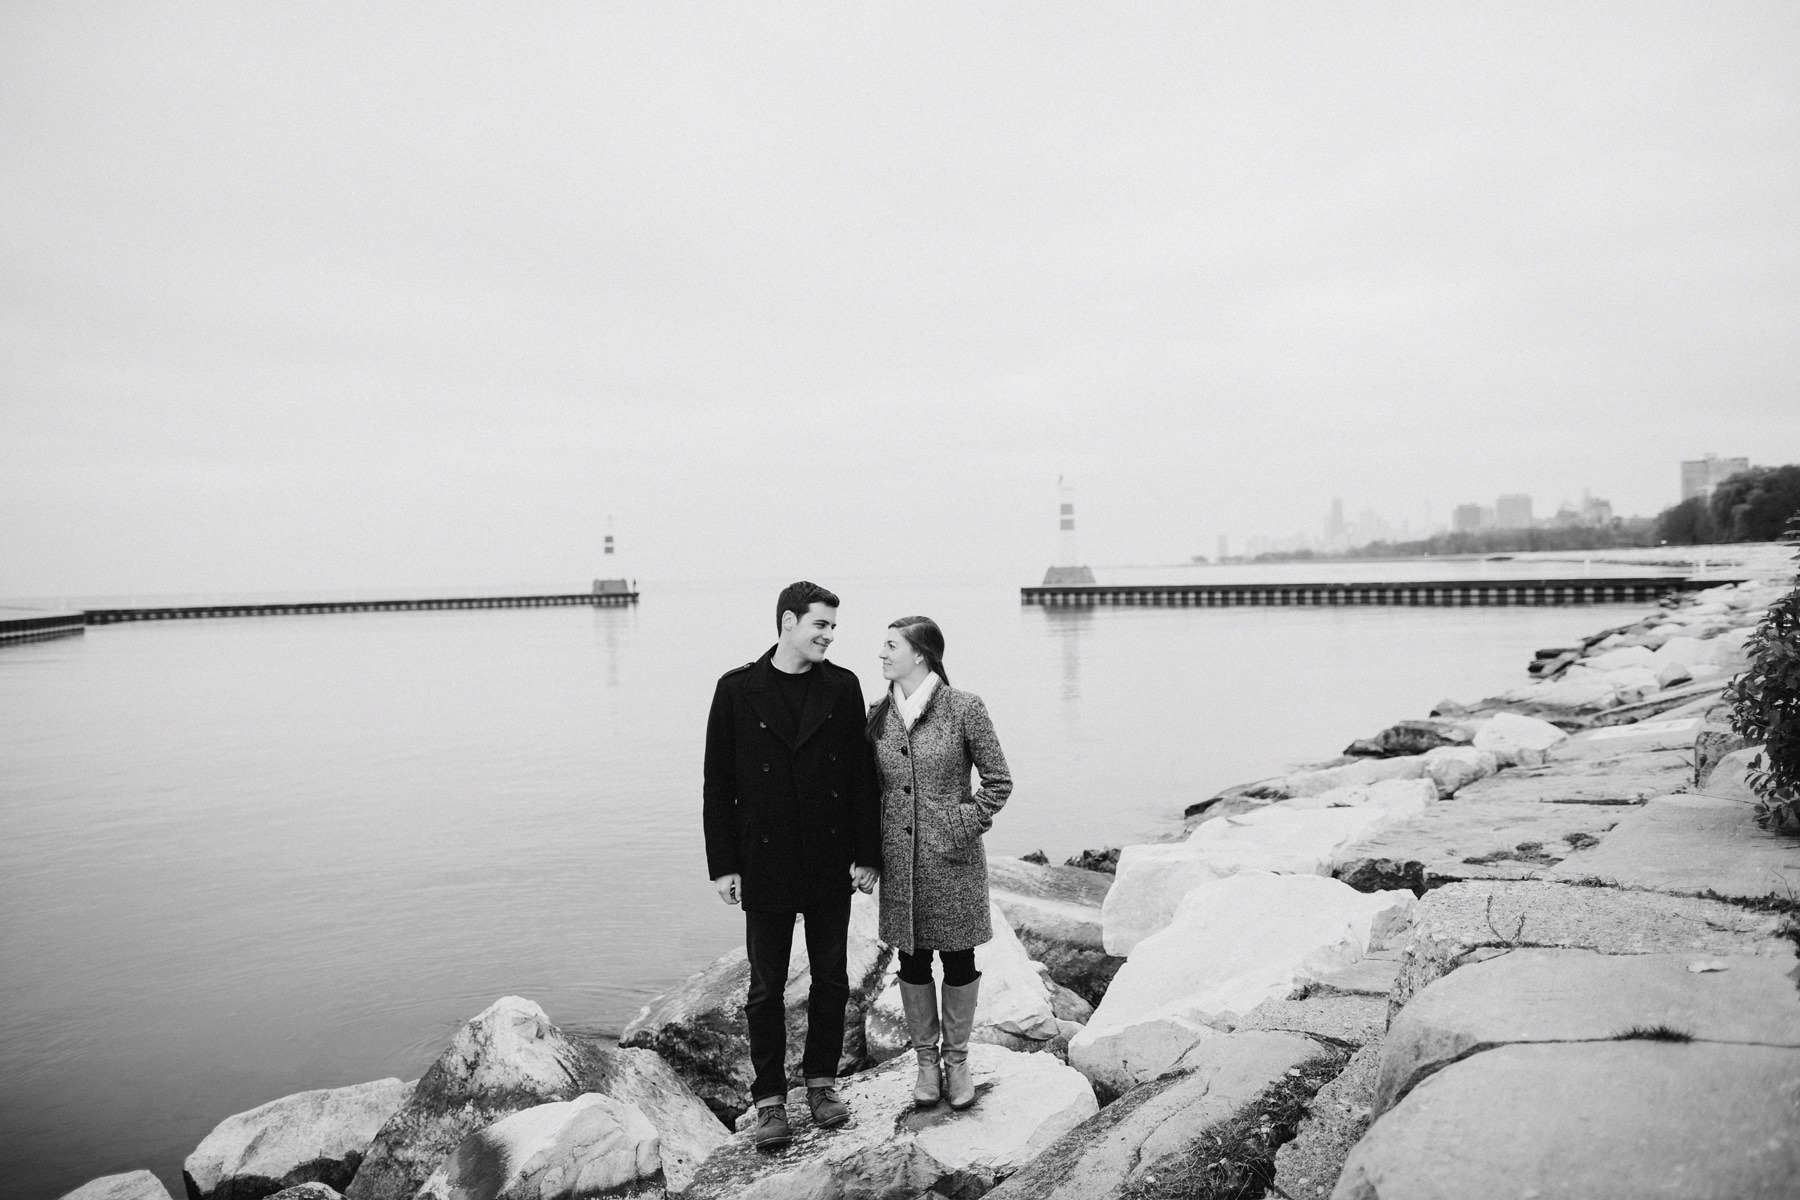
908	829
833	828
903	749
905	787
834	758
765	839
765	766
834	796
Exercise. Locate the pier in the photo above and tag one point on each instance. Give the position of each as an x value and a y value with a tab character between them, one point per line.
1433	593
36	625
113	616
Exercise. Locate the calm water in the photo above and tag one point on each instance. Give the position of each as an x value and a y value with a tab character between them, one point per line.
242	858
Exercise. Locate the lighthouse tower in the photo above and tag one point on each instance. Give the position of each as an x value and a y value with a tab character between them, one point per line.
613	580
1067	571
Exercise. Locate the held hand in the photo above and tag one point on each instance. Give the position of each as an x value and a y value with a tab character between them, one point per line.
731	888
864	878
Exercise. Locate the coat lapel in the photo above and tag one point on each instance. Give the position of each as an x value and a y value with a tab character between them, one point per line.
817	706
759	690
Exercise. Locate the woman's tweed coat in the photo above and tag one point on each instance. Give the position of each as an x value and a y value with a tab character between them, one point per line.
934	892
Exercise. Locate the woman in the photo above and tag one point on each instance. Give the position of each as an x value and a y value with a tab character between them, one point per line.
934	891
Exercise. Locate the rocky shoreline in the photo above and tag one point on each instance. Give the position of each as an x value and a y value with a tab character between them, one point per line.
1531	946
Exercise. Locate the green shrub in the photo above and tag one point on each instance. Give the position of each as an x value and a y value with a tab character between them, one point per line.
1766	707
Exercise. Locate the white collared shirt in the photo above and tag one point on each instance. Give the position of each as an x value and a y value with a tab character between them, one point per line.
909	707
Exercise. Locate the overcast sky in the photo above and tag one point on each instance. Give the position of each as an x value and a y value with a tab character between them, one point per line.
314	295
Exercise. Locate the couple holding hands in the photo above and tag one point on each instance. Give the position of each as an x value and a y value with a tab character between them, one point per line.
808	796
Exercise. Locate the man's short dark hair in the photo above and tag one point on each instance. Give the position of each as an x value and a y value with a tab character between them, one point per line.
798	598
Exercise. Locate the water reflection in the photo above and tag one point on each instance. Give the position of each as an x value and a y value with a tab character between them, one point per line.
1069	626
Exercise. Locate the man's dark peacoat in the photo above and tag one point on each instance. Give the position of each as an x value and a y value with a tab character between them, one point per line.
787	808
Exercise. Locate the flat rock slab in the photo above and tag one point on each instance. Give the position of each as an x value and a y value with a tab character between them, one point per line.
1465	922
1534	995
1147	1142
1470	839
1618	739
1347	1020
1023	1104
1338	1116
1625	1120
132	1185
1372	976
1689	845
1619	779
1062	903
1056	913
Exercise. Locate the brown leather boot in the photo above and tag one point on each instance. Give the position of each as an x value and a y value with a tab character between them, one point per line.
920	1002
958	1008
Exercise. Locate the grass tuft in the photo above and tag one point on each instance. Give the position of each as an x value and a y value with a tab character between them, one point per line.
1653	1033
1236	1160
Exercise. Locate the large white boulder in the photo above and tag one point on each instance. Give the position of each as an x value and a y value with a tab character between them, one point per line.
592	1145
1361	772
1451	768
1278	839
1233	944
1516	739
1397	797
1624	656
1023	1103
1012	1008
509	1058
1729	649
1152	879
310	1137
1681	650
1580	690
131	1185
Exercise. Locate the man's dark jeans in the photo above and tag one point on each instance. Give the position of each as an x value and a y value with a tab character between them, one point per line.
769	941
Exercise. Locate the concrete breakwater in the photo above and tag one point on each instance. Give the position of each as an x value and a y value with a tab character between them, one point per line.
114	616
23	625
36	625
1467	959
1413	593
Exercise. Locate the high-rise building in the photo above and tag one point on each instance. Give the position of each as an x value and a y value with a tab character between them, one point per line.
1701	475
1513	511
1465	518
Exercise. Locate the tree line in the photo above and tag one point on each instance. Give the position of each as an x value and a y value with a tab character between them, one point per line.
1751	506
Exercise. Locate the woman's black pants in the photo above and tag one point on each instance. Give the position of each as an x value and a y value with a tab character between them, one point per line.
769	942
959	967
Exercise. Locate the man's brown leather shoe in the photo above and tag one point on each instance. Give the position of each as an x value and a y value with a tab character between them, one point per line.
828	1112
771	1132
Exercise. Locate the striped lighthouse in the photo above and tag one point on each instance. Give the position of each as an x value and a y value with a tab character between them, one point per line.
1068	571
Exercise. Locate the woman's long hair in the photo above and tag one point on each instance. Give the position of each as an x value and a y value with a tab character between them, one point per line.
926	639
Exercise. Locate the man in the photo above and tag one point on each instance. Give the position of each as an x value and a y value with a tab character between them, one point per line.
793	822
